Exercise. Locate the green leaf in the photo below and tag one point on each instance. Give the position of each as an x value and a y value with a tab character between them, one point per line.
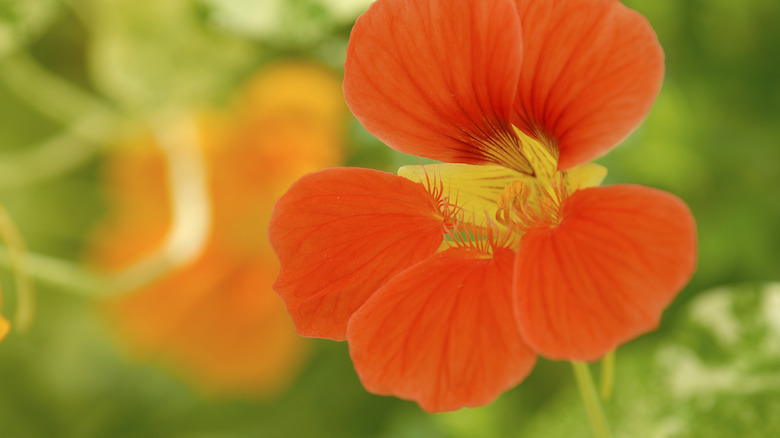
24	20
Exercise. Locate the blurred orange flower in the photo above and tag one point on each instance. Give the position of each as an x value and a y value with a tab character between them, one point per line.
5	326
217	319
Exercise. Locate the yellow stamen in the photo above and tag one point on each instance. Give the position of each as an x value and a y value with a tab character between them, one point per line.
538	201
472	188
490	206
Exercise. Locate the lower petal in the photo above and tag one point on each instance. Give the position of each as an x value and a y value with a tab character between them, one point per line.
442	333
605	274
340	235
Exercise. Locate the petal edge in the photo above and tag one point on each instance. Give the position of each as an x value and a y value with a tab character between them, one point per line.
442	333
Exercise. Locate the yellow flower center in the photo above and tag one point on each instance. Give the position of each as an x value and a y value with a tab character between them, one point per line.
494	202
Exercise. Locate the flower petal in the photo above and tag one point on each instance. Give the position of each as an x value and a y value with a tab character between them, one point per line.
605	274
591	71
438	78
584	176
442	332
340	235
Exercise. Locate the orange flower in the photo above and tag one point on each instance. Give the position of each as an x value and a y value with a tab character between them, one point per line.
449	279
5	326
217	319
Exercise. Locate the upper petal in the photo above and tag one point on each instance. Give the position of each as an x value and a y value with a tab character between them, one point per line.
438	78
605	274
591	71
340	235
442	333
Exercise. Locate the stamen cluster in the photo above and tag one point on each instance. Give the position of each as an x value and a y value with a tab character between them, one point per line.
525	205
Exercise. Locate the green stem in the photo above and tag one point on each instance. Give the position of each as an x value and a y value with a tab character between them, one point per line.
607	375
89	123
591	400
59	273
180	142
17	256
47	92
50	158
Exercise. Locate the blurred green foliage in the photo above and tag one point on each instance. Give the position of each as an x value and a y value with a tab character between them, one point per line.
714	375
153	55
21	21
712	138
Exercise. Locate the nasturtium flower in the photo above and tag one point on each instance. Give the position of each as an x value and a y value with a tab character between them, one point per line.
216	320
448	280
